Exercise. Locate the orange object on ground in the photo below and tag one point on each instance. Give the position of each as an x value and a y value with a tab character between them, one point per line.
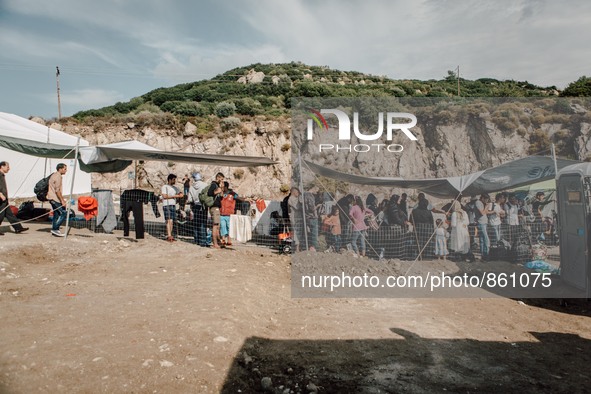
88	206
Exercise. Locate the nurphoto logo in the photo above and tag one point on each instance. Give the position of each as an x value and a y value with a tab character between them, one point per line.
393	125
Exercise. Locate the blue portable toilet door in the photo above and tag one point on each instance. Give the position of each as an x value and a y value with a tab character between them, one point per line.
573	218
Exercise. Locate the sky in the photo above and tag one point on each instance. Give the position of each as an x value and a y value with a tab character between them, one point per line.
113	50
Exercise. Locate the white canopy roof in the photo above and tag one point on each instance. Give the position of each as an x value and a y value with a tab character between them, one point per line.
26	169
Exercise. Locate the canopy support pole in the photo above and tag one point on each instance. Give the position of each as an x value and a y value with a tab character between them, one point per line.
301	184
555	163
72	188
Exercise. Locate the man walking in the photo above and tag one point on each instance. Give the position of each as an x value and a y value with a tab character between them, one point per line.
56	199
5	210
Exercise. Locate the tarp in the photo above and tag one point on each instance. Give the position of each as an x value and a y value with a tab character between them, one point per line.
27	169
115	157
509	175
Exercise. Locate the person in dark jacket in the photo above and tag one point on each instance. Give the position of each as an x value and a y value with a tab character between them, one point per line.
422	220
216	190
344	205
394	232
5	211
371	202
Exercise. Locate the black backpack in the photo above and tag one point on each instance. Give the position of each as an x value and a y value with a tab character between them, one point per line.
42	188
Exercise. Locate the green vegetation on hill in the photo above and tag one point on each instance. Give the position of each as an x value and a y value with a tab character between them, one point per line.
224	96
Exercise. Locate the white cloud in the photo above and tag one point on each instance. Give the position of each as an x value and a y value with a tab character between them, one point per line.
86	98
207	62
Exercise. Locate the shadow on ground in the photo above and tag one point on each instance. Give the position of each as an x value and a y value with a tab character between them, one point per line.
552	362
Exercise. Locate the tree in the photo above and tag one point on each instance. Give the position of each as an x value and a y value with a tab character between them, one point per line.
581	87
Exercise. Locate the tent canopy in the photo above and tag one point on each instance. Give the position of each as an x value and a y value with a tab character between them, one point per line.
115	157
27	169
509	175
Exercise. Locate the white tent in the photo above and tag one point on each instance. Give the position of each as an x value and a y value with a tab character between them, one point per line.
26	170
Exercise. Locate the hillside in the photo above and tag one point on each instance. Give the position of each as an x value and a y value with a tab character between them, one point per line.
268	88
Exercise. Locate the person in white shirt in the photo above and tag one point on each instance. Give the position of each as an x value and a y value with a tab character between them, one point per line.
496	213
481	218
514	215
169	195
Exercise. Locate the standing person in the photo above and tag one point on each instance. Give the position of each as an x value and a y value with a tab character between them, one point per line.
371	202
311	213
357	214
216	190
513	216
422	221
56	199
169	195
334	224
537	207
186	184
228	207
199	211
344	205
403	204
440	240
296	216
481	216
459	240
496	213
394	233
5	210
183	201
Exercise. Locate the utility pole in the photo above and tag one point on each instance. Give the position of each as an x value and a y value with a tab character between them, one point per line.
458	80
59	104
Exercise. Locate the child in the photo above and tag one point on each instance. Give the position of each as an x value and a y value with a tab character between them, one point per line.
440	240
334	224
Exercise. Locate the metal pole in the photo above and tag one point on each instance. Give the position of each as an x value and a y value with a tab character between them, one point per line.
458	80
72	188
303	198
555	163
59	104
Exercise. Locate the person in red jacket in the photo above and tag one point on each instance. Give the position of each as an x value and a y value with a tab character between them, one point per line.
228	207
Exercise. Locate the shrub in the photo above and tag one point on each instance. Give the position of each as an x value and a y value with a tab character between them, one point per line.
285	147
186	108
248	106
225	109
238	173
539	142
230	123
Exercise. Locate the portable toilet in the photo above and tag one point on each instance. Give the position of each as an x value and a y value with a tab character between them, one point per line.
573	187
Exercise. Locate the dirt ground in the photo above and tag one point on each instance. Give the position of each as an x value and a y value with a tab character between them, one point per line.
100	313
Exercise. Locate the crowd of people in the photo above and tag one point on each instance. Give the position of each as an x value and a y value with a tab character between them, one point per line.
393	228
216	200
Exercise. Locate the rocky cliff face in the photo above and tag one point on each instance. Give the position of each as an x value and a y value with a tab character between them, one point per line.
445	147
